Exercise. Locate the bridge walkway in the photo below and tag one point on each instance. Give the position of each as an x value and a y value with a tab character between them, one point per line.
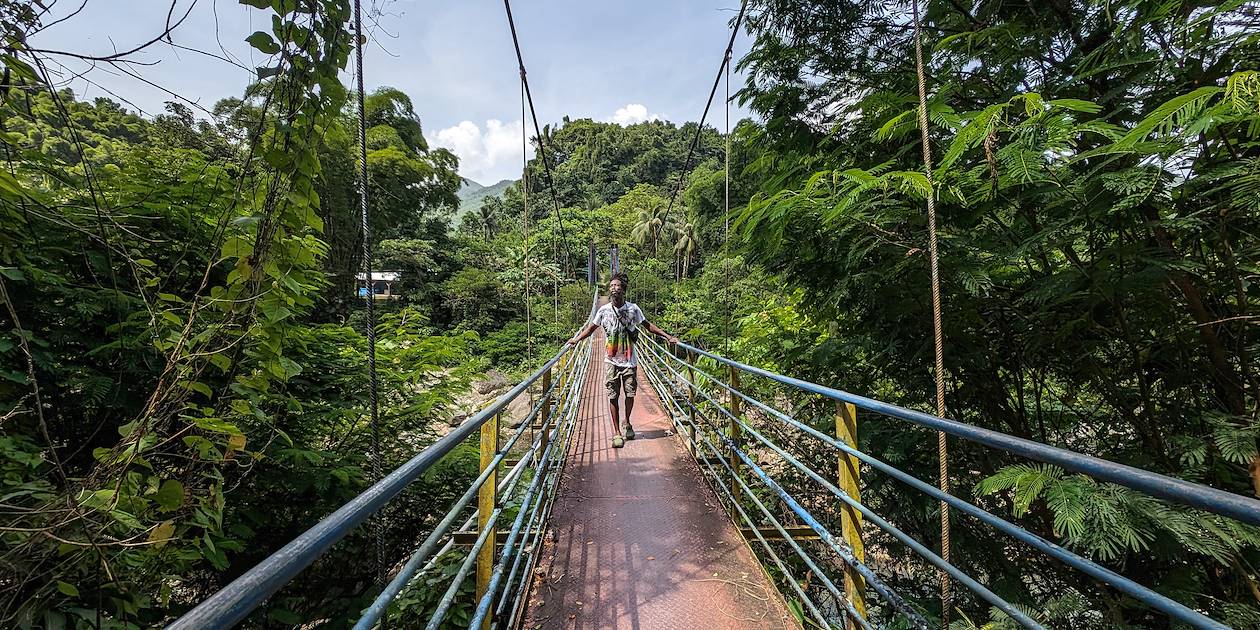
638	540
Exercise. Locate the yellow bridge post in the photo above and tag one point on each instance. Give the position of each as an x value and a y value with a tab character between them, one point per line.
850	518
734	432
485	505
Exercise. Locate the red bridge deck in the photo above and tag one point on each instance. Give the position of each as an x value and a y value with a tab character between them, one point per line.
638	540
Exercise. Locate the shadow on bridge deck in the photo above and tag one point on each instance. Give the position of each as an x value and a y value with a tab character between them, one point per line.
637	540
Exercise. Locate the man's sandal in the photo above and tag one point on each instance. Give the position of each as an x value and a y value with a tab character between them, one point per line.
629	432
618	442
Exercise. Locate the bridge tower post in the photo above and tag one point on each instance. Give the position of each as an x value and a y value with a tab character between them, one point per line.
486	499
733	430
850	518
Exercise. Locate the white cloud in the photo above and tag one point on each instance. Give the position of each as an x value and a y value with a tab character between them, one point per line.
492	152
633	113
485	155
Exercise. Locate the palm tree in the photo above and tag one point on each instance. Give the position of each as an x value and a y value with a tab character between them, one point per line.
650	227
644	231
489	215
686	247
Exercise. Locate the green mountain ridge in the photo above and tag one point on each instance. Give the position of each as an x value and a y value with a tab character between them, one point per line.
471	194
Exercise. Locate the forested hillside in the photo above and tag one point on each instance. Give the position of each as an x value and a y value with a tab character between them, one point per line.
472	194
183	378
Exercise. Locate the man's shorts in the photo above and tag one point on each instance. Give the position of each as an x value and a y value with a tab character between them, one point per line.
619	378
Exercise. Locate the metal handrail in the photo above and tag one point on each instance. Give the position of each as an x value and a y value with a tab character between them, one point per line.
234	602
509	546
435	620
1102	574
395	586
1206	498
1155	600
666	392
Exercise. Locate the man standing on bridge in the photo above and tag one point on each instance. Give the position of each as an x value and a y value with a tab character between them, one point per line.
620	320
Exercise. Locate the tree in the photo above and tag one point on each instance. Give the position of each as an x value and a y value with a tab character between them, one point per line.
685	249
489	213
1089	175
651	226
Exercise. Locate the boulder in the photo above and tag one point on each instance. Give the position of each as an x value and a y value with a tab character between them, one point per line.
514	415
493	381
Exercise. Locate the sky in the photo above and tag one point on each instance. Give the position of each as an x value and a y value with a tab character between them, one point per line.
622	62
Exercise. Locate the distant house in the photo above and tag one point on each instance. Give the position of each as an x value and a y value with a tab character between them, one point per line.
382	284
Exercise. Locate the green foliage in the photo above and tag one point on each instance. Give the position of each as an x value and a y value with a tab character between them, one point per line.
160	282
596	163
1096	204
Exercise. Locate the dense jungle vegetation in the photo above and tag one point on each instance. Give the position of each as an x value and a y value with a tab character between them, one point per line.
182	354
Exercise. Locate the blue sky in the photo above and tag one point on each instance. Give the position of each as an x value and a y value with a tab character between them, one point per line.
615	61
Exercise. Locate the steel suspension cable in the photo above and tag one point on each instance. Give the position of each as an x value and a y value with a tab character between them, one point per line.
942	444
726	182
529	330
695	140
542	149
726	205
370	294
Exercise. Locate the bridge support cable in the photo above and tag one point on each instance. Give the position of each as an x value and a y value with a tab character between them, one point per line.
942	443
370	295
234	602
927	554
542	148
1141	593
695	140
529	315
694	433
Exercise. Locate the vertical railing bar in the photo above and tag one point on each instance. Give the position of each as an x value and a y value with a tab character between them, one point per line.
732	430
848	474
487	500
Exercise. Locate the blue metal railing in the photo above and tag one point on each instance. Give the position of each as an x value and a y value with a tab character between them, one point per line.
235	601
699	414
680	394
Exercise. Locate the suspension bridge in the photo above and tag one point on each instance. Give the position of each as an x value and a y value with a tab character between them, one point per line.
691	524
701	521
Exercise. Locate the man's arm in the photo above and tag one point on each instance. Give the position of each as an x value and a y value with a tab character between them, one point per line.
586	332
656	330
